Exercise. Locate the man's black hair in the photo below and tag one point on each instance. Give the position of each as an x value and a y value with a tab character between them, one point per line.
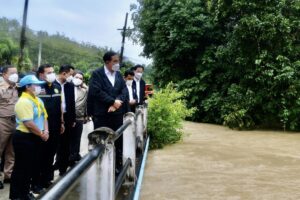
6	67
128	72
65	68
42	68
138	66
108	55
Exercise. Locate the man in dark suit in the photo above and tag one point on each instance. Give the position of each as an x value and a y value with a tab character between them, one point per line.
106	97
68	108
139	84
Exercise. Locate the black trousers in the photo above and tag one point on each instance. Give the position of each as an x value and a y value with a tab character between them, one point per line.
113	121
44	172
63	151
75	142
26	158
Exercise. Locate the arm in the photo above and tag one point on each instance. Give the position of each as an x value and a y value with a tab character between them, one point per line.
124	95
30	125
24	113
96	89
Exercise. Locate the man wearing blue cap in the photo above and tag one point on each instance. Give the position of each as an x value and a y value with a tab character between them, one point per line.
32	126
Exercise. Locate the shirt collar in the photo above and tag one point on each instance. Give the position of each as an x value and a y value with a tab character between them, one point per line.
107	72
6	85
60	82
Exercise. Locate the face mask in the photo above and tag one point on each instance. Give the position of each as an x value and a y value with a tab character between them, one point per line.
129	83
77	81
138	75
69	79
37	90
50	78
13	78
116	67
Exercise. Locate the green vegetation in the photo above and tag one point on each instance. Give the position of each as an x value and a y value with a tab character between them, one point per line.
56	49
237	60
167	110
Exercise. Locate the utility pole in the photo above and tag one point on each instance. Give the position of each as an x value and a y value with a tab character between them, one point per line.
124	29
40	54
23	38
123	39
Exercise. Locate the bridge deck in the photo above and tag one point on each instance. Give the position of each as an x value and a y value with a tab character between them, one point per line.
214	162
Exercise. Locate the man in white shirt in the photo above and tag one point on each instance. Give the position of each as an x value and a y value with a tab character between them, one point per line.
133	99
139	84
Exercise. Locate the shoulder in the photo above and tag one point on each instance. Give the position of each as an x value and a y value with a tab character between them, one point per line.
24	102
56	85
3	85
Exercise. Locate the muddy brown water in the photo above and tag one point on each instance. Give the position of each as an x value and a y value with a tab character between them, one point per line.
215	162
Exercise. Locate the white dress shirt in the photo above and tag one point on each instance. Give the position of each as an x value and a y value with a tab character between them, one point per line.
137	88
111	76
63	98
130	91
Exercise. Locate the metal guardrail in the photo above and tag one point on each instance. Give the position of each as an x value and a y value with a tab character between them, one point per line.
68	181
102	158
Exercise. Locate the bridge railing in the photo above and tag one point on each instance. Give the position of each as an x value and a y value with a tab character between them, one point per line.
99	164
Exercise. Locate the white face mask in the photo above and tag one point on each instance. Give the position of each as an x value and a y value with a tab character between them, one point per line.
116	67
69	79
50	78
13	78
138	75
37	90
129	83
77	81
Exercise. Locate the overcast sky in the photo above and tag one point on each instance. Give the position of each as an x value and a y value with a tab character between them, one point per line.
93	21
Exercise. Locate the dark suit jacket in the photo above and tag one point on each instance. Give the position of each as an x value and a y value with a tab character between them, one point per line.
70	103
128	107
142	91
102	94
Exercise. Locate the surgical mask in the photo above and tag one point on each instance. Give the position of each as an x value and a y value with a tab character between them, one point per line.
129	83
138	75
69	79
13	78
37	90
50	78
116	67
77	81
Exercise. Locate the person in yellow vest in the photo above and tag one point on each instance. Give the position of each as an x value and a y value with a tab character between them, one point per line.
32	126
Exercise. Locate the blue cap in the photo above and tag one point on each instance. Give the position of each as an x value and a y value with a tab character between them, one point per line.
30	79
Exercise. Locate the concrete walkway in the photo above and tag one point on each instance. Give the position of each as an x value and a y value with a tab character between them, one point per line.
217	163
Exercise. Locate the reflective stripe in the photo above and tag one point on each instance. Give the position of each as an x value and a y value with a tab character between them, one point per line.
56	95
44	95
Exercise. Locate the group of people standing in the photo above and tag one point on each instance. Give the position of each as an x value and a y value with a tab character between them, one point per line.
42	117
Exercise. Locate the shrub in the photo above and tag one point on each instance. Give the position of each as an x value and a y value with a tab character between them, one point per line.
166	111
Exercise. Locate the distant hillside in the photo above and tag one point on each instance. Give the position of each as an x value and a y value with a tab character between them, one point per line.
56	49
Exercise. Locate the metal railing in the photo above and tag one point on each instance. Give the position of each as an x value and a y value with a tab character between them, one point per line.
100	161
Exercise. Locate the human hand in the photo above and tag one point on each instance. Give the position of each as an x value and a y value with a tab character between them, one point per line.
132	102
118	104
62	128
45	135
111	109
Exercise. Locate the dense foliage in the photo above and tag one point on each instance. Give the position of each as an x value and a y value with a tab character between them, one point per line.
167	110
238	60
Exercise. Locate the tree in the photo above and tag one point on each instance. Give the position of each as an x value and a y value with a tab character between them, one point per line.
238	60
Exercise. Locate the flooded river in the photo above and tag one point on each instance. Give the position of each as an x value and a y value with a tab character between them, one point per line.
215	162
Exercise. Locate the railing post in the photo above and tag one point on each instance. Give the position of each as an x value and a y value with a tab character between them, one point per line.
129	147
139	128
145	118
106	165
